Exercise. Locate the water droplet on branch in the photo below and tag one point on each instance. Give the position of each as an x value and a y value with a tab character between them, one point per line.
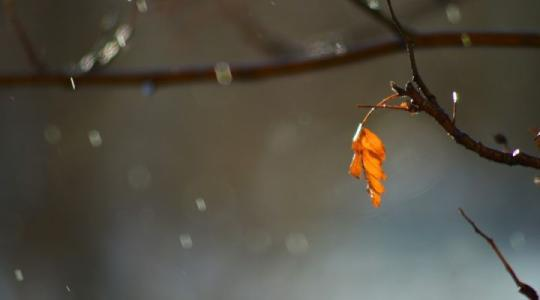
466	40
223	73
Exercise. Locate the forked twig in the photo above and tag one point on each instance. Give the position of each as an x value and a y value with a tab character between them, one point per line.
524	288
410	43
381	103
423	100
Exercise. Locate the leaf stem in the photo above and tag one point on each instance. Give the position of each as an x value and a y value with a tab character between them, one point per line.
379	105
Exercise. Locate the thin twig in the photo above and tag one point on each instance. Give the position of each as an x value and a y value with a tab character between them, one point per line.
276	68
380	17
423	100
31	55
381	103
433	109
524	288
396	107
410	42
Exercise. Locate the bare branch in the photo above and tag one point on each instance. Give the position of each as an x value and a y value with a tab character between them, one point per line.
433	109
423	100
410	42
380	17
524	288
276	68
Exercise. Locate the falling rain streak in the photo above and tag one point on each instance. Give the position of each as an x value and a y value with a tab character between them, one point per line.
18	275
185	241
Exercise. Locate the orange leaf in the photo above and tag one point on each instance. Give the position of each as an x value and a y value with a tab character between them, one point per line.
376	200
370	141
355	169
369	153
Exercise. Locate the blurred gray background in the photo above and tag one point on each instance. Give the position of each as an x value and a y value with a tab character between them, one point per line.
241	191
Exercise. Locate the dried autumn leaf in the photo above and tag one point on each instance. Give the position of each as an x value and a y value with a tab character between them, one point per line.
355	169
369	153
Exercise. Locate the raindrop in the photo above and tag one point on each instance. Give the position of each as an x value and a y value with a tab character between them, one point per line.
122	35
185	241
68	288
108	52
52	134
515	153
374	4
201	204
139	177
453	13
273	3
142	6
148	88
536	180
455	96
223	73
517	240
72	81
340	49
87	62
18	274
95	138
297	243
466	40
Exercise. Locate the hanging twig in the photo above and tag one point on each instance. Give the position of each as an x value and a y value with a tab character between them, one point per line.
524	288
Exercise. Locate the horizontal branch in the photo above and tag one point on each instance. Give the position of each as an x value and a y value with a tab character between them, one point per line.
279	67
